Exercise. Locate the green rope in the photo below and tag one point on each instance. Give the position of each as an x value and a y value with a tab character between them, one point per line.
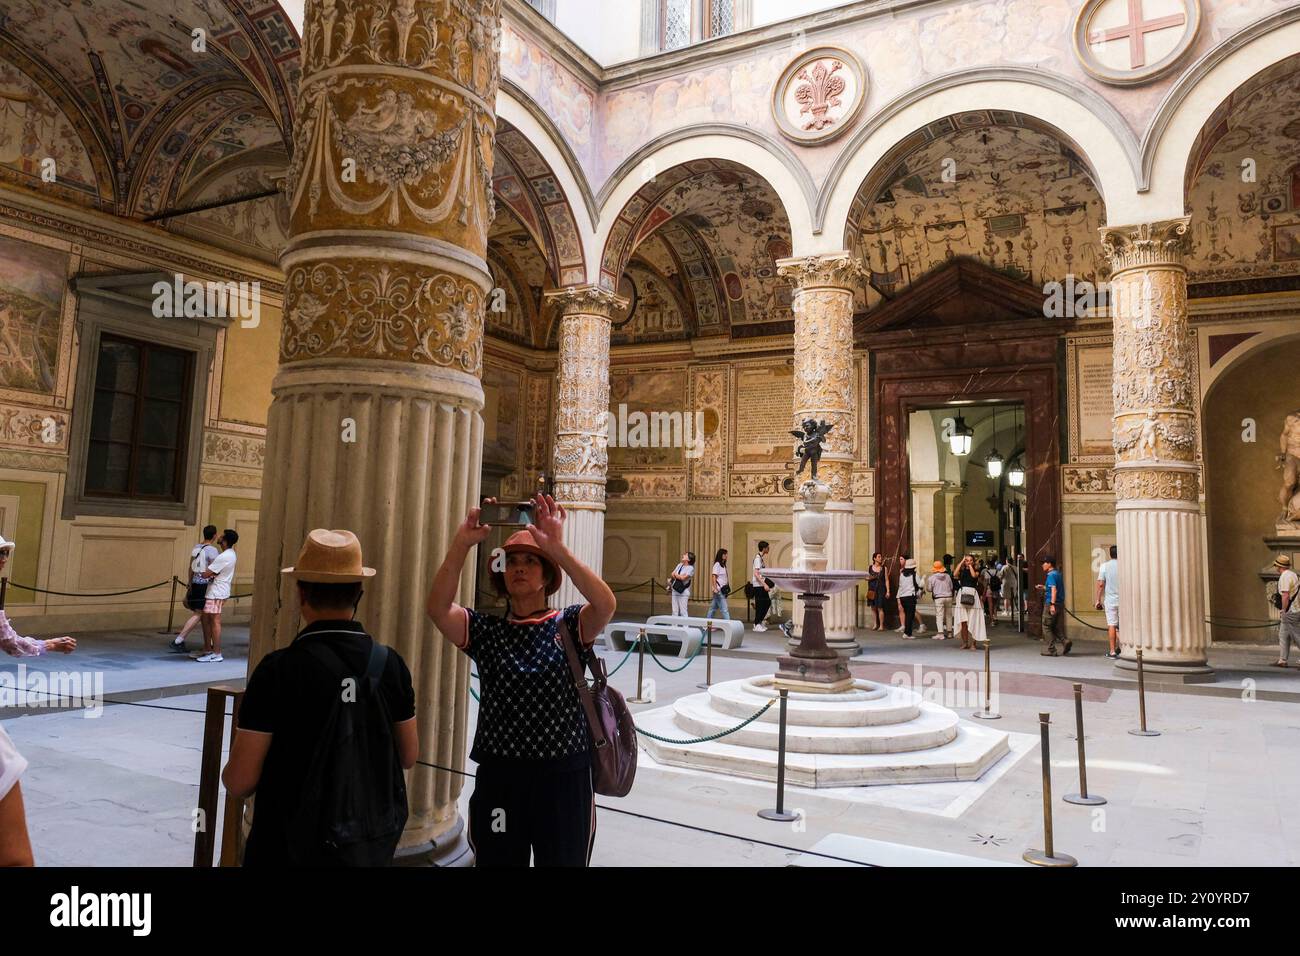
1210	621
722	733
630	648
672	670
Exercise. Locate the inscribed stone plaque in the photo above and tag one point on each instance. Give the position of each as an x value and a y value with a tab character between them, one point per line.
1095	403
764	415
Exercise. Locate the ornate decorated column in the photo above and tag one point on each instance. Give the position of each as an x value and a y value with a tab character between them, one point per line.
1157	478
581	403
376	423
823	389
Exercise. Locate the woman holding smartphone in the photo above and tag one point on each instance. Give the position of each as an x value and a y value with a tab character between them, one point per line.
970	611
531	744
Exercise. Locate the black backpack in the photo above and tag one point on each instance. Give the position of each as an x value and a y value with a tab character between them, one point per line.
353	807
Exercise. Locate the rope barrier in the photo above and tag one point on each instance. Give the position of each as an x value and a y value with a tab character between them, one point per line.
722	733
672	670
148	587
1248	625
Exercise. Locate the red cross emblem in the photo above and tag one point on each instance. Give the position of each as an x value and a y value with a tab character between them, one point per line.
1136	29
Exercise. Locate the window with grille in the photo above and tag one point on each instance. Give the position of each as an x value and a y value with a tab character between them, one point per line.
138	420
545	7
722	17
676	24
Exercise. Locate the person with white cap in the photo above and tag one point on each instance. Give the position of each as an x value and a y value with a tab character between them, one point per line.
909	590
326	726
1288	626
533	791
14	644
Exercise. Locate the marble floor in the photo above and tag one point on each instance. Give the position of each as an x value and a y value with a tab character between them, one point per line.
1215	789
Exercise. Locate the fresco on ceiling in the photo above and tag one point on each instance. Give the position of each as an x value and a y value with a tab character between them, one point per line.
658	313
1018	200
258	228
1243	228
32	280
33	127
513	321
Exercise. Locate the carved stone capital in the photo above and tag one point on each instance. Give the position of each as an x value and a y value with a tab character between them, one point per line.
839	270
587	300
1163	243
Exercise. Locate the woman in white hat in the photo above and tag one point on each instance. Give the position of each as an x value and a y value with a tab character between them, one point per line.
11	642
533	792
909	589
1288	625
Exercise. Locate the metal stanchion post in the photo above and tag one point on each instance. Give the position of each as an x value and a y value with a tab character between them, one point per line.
988	684
780	814
1082	798
1047	856
708	658
640	698
4	592
652	597
171	608
1142	704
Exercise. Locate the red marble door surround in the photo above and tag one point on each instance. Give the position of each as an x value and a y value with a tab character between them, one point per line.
915	370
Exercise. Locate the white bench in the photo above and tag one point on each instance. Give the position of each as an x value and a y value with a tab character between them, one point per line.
620	634
732	632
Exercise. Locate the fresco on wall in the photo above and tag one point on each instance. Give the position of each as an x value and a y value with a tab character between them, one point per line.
649	391
32	280
257	228
33	127
658	313
567	101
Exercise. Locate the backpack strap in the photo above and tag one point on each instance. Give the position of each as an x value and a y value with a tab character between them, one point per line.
333	662
598	738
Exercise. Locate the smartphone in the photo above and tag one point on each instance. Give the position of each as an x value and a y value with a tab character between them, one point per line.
510	513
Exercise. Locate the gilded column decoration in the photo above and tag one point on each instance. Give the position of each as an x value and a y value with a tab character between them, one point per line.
375	423
580	457
1156	477
824	389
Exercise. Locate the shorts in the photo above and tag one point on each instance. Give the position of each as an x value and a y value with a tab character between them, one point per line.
1112	616
213	606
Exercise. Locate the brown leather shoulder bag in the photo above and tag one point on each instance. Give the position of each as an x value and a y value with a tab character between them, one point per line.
609	723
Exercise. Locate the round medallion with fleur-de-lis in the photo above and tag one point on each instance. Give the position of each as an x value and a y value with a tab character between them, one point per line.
819	95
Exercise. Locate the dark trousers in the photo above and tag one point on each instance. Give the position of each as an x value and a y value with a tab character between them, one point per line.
1053	627
762	604
514	812
909	613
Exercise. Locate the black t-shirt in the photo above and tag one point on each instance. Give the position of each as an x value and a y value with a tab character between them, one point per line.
289	696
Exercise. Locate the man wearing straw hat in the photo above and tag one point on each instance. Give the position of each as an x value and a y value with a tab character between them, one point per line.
13	643
293	694
1288	627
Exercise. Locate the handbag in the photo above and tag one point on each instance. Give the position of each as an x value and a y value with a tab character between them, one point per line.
871	594
967	597
725	590
609	723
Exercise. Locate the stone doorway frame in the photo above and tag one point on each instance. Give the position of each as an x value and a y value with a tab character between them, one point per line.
1016	366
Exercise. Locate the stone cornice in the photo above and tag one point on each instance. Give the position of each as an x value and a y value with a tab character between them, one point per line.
838	270
1163	243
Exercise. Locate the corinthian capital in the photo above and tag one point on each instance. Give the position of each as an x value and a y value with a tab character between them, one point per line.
1162	243
838	270
587	300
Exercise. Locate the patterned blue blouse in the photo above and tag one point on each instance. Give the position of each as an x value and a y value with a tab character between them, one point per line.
529	711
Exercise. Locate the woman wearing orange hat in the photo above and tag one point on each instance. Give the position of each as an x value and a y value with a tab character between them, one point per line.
533	792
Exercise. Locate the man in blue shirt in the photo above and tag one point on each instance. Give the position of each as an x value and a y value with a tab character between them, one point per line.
1054	609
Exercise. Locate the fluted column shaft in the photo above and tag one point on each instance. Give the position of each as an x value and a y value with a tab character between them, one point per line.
375	423
581	458
823	389
1157	478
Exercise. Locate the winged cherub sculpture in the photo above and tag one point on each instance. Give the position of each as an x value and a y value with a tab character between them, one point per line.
809	449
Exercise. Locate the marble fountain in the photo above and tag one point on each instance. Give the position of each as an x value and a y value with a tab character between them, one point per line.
840	731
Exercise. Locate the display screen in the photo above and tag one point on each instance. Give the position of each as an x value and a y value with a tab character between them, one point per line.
979	539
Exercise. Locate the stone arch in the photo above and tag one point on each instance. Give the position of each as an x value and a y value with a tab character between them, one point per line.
1169	144
770	161
1080	117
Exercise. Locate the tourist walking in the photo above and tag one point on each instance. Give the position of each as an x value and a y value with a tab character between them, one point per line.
939	584
720	586
993	594
969	611
1054	609
1108	599
917	624
196	592
326	726
909	589
760	588
878	589
1288	626
679	584
533	791
14	644
221	575
15	845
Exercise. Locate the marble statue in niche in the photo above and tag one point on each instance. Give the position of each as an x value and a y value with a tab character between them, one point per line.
1289	459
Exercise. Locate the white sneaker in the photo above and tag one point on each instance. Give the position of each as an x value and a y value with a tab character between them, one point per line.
211	659
920	629
760	627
